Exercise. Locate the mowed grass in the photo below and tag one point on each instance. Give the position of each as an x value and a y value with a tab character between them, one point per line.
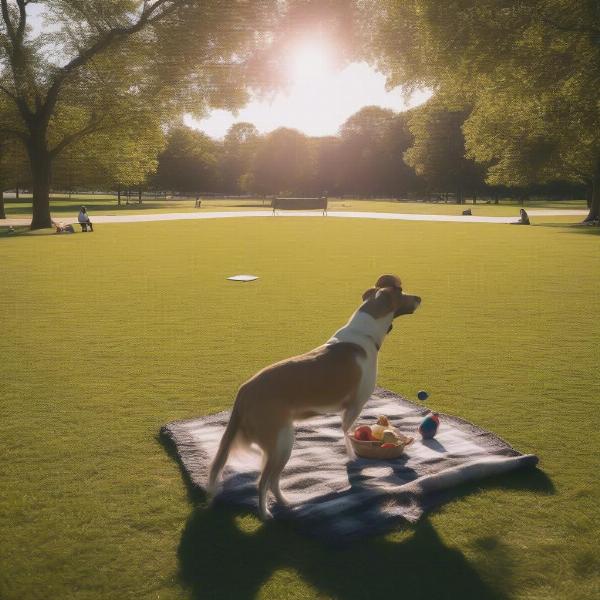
107	336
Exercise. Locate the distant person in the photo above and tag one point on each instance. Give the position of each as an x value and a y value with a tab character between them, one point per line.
523	218
84	219
467	213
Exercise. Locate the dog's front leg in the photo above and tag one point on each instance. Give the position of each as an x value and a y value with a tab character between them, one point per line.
350	415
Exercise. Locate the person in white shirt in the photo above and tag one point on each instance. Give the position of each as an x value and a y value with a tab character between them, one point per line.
84	219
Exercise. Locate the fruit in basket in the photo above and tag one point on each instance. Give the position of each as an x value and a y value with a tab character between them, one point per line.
383	420
382	424
389	437
363	433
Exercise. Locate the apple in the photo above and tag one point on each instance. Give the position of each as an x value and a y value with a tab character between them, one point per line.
363	433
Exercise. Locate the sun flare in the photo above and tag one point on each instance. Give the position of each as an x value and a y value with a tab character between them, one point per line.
310	62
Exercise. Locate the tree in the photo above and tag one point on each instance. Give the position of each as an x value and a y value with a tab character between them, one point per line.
438	152
283	163
497	57
189	162
373	141
536	145
362	135
123	157
398	178
13	168
113	57
327	167
239	146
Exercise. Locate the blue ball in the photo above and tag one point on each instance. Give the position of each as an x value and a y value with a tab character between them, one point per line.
422	395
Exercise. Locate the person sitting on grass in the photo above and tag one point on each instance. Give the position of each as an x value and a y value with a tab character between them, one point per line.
84	219
62	228
523	219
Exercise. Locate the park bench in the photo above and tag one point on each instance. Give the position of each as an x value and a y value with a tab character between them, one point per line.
300	204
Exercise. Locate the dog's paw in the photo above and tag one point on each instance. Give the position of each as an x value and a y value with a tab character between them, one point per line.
266	515
211	493
282	500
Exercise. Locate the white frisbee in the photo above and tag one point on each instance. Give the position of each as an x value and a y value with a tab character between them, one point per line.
243	277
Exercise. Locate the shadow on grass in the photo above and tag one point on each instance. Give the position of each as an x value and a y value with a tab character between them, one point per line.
220	558
72	209
583	228
24	209
24	231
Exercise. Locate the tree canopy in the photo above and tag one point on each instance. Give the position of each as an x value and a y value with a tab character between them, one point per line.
528	70
188	163
438	151
106	63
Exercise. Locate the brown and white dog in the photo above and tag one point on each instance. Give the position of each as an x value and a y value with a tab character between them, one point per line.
337	376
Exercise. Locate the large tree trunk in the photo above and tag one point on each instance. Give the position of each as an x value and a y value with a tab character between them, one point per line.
2	212
41	166
594	214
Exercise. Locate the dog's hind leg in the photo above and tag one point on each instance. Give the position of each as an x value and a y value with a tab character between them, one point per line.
263	488
276	459
285	441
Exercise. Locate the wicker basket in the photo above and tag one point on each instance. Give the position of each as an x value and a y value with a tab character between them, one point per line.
374	449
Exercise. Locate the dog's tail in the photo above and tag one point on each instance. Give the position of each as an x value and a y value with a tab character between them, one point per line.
220	459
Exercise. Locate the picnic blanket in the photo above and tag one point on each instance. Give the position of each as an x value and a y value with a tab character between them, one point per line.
339	499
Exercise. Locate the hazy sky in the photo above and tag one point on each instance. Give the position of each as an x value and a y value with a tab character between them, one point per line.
316	107
318	100
320	96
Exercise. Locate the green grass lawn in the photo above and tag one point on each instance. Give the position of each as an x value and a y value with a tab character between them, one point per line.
104	205
107	336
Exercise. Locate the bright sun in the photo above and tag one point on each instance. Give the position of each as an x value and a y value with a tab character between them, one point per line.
310	62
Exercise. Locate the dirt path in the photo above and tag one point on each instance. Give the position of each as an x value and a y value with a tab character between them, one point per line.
269	214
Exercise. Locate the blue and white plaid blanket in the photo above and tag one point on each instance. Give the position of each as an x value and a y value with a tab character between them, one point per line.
337	499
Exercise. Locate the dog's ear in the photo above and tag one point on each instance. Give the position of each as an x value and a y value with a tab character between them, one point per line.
392	281
370	293
386	298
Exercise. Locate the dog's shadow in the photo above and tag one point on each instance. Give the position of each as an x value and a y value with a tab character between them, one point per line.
219	560
225	553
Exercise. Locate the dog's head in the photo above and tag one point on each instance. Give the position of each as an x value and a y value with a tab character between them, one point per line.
387	298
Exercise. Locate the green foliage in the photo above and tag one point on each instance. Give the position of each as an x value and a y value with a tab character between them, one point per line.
283	163
106	63
189	162
125	155
529	70
239	146
14	166
327	172
438	151
373	141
